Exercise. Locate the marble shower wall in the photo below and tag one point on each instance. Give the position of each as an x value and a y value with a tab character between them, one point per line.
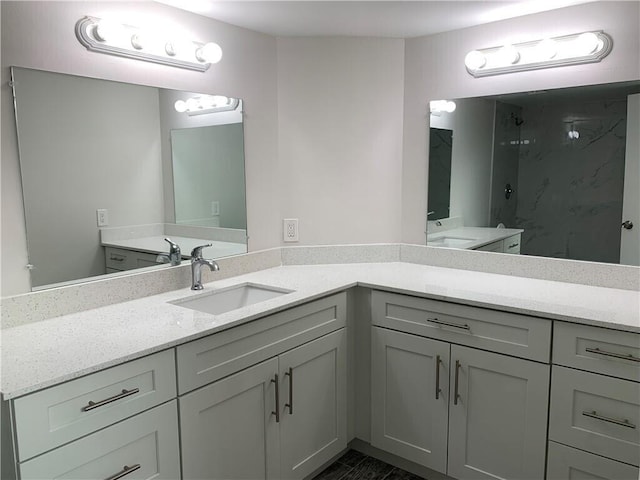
570	185
506	148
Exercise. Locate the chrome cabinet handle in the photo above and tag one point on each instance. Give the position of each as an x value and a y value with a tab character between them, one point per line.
125	471
612	354
276	412
622	423
116	259
513	245
290	404
438	361
448	324
456	395
125	393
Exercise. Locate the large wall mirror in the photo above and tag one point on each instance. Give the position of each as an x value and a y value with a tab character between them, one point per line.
547	173
110	169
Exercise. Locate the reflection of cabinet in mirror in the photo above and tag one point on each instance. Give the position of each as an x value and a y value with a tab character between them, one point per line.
87	144
119	260
508	245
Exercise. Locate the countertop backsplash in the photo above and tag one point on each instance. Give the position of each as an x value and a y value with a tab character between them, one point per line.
40	305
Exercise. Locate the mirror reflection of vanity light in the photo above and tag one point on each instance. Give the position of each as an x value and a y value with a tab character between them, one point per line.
203	104
438	106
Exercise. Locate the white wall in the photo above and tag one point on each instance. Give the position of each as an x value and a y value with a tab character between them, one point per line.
435	70
340	137
41	35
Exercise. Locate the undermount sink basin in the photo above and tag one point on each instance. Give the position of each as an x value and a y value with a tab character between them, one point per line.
231	298
449	241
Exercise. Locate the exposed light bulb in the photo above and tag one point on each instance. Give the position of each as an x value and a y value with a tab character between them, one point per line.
107	30
508	55
170	49
138	41
192	104
547	49
180	106
587	43
209	53
475	60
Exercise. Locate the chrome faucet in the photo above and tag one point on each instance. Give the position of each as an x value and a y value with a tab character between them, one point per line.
174	256
197	261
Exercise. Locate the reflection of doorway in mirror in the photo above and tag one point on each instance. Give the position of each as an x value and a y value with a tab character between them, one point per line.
630	232
439	187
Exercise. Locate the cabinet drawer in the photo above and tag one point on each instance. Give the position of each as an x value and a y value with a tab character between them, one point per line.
147	444
596	413
600	350
512	244
59	414
122	259
492	247
565	462
214	357
518	335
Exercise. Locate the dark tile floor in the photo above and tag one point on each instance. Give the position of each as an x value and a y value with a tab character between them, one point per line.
354	465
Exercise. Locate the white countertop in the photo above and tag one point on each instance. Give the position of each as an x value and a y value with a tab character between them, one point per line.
38	355
156	244
475	236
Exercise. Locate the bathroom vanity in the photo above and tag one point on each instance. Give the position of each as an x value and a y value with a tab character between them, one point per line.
447	373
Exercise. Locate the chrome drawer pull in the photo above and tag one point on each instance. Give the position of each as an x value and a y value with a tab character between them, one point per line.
611	354
448	324
276	412
290	404
456	393
125	471
622	423
513	245
125	393
438	390
117	259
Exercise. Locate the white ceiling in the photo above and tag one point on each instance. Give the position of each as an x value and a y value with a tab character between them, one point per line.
399	19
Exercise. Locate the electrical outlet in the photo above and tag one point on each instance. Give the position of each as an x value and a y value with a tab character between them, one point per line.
290	230
103	217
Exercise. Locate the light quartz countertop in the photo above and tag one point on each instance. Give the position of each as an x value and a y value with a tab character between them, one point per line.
42	354
475	236
157	245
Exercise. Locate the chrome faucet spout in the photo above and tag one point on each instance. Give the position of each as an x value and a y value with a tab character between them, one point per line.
197	262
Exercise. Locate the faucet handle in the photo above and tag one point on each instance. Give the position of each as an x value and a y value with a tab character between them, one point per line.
173	247
196	253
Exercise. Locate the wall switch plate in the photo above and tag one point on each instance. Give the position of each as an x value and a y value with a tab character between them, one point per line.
290	230
215	208
103	217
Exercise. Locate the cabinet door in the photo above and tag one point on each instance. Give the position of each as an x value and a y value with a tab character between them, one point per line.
313	404
498	419
228	430
409	397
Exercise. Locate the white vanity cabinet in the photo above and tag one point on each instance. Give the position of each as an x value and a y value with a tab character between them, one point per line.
445	402
121	259
102	425
283	417
507	245
595	403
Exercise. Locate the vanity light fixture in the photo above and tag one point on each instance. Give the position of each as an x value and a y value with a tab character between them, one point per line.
104	36
586	47
203	104
436	107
